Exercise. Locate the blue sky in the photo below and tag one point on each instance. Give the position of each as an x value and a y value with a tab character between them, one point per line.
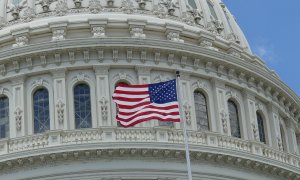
272	28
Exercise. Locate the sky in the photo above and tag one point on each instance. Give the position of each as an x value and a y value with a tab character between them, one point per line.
272	28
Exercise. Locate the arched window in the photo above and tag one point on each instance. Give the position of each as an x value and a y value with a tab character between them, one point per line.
234	119
4	117
261	129
212	10
192	3
41	110
82	106
201	111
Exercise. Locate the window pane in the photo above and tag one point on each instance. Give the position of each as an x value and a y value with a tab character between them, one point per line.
201	111
234	119
261	130
4	117
82	104
192	4
212	10
41	111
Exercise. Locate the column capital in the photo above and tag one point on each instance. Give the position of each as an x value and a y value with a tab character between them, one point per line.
59	73
20	79
101	70
143	70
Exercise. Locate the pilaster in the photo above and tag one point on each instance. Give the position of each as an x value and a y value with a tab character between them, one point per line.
60	100
275	126
291	135
251	119
221	109
18	125
102	95
186	101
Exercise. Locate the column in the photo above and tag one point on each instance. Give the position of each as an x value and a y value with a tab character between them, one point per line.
274	126
143	73
103	96
292	140
17	125
221	109
60	100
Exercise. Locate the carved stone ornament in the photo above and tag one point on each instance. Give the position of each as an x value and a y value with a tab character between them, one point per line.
188	18
127	6
39	82
18	117
224	117
58	35
81	77
174	36
187	113
255	131
198	15
2	22
200	85
95	6
98	31
60	111
104	108
21	41
280	145
159	11
137	32
61	8
15	7
28	15
45	4
208	45
142	3
171	5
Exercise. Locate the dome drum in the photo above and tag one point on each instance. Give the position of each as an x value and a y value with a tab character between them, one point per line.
60	61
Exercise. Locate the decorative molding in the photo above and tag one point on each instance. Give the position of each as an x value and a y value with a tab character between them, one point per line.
18	118
224	119
174	36
60	111
137	32
104	108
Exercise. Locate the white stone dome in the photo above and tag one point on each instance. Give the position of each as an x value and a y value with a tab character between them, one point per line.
60	61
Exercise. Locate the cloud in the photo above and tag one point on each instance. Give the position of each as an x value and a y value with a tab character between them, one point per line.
266	51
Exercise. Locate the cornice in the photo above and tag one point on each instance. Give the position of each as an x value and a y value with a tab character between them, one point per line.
144	151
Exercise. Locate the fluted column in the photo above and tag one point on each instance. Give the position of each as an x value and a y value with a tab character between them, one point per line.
292	140
274	126
221	109
18	125
103	96
143	73
60	100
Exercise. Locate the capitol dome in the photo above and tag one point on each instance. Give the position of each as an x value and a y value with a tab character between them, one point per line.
60	61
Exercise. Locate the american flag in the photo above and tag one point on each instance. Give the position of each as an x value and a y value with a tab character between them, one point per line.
139	103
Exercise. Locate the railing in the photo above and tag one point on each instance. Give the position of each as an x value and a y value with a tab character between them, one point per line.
163	135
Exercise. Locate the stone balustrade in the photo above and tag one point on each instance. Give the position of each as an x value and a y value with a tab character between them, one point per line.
155	135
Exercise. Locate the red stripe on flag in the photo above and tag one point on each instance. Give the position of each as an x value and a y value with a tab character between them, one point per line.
147	119
147	113
133	86
150	106
131	92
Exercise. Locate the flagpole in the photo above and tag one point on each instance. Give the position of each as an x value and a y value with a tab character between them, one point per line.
182	117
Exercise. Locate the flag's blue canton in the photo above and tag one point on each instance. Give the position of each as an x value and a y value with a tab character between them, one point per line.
163	92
